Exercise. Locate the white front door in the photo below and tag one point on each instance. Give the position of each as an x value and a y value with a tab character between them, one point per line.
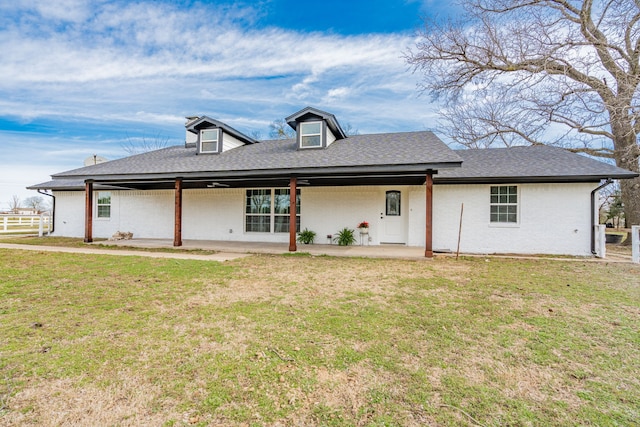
393	218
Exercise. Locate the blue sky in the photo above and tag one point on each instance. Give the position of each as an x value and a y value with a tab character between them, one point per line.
85	77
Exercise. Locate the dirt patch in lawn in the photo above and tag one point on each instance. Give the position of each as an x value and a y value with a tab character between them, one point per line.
71	402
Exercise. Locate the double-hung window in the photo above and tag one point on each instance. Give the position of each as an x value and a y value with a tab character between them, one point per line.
504	204
258	211
310	134
104	204
209	140
268	210
282	210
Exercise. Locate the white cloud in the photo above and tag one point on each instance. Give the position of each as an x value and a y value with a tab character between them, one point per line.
47	10
305	87
336	94
112	67
142	40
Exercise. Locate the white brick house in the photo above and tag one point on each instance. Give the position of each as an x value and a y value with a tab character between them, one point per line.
224	185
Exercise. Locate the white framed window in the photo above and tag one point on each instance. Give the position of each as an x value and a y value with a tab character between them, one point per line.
258	211
268	210
209	140
310	134
103	204
504	204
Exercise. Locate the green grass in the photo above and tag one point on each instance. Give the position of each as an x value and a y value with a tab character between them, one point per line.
46	241
304	340
74	242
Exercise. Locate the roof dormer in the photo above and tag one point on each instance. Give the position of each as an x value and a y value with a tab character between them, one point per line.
315	128
211	136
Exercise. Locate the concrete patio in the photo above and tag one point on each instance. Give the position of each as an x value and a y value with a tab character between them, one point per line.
378	251
373	251
225	251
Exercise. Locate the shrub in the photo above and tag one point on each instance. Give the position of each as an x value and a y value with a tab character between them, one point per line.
306	236
345	237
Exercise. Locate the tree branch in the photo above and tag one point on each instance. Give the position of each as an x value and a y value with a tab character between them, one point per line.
596	152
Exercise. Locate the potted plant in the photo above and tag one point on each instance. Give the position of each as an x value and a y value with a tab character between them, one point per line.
345	237
306	236
363	227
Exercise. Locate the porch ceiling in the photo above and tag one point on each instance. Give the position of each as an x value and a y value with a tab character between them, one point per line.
270	182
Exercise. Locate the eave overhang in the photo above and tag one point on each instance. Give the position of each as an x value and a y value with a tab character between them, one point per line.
531	179
413	174
334	176
347	178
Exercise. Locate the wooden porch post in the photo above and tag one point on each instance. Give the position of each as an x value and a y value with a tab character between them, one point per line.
292	214
428	247
177	231
88	211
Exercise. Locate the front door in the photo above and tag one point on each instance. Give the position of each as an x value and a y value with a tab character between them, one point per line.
392	219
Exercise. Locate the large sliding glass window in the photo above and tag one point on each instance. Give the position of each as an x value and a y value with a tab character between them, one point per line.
268	210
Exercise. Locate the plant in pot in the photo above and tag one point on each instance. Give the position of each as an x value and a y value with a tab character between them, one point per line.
345	237
363	227
306	236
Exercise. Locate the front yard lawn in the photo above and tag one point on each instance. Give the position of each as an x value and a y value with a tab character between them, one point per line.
300	340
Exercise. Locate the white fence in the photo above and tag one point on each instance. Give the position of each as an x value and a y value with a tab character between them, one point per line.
25	224
635	241
601	239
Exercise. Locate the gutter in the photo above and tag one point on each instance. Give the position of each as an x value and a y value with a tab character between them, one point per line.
593	214
53	209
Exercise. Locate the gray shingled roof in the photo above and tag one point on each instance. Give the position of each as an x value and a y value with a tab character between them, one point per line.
531	163
390	152
421	149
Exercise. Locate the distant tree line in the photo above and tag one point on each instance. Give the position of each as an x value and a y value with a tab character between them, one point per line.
36	203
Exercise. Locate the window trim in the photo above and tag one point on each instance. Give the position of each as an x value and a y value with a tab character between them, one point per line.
272	214
103	205
302	135
202	140
518	195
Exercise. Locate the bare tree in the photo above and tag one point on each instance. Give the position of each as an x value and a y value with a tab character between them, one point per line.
14	203
349	130
606	196
35	203
256	134
614	211
562	72
143	145
279	129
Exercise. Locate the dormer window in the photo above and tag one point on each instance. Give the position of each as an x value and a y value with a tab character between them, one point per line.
212	136
310	134
209	140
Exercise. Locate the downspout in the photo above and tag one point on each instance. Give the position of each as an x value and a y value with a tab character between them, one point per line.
53	209
593	214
